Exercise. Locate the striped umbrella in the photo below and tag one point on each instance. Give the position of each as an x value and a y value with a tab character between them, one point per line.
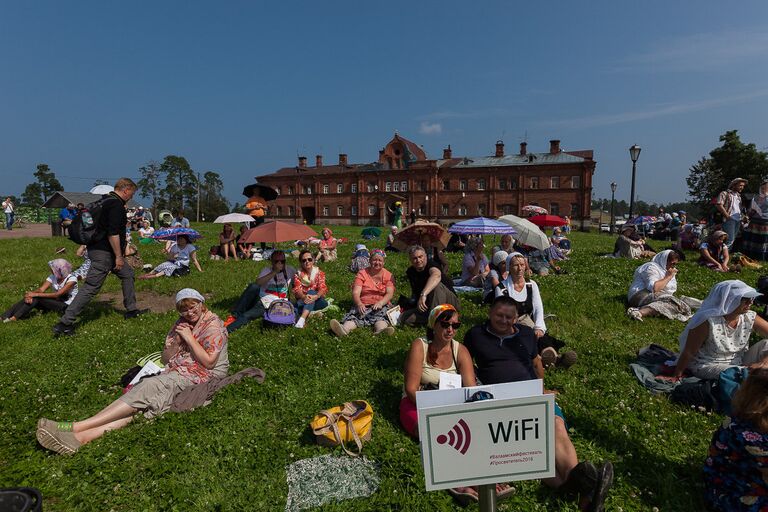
482	226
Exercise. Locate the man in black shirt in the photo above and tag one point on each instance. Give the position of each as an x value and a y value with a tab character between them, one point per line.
506	351
107	254
430	287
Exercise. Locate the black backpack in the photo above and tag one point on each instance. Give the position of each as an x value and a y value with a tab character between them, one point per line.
84	227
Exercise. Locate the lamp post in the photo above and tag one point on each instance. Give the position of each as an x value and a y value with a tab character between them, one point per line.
634	154
613	193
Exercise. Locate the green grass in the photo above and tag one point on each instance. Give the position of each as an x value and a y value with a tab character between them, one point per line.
232	454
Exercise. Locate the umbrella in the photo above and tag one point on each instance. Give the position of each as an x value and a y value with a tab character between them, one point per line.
642	219
102	189
172	233
371	233
528	233
426	234
548	220
277	231
268	193
233	217
537	210
482	226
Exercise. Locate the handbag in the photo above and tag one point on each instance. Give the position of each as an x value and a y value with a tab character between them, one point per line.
352	421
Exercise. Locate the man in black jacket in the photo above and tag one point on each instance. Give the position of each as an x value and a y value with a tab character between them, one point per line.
107	254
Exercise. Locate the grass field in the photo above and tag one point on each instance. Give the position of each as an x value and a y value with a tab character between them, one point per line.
232	454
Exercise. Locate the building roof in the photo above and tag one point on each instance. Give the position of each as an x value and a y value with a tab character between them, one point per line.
512	160
413	148
62	199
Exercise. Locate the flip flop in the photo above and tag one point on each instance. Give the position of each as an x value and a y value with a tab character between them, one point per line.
462	496
505	492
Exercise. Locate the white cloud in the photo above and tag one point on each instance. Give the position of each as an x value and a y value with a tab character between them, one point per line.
427	128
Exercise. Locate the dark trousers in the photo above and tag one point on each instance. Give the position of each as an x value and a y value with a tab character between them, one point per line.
412	317
102	263
22	309
247	308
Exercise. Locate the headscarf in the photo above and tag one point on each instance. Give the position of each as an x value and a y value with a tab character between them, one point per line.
724	298
659	266
509	260
436	312
61	268
499	256
715	236
378	252
189	293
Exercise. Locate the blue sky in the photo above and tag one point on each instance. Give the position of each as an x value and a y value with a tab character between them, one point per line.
96	89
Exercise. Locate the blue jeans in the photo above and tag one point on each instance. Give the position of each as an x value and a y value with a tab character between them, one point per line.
731	227
9	221
247	308
318	304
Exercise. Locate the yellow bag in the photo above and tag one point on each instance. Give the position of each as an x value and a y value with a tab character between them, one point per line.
332	426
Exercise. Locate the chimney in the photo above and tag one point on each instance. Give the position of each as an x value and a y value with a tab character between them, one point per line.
523	148
447	153
554	146
499	148
342	159
302	162
318	160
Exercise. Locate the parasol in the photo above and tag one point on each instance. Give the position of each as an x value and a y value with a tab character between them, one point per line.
172	233
233	217
535	210
102	189
548	220
263	191
642	219
426	234
371	232
528	233
277	231
482	226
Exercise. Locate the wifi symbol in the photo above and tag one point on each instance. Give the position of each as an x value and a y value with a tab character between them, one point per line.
458	437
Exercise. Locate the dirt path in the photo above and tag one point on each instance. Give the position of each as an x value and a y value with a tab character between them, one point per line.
155	302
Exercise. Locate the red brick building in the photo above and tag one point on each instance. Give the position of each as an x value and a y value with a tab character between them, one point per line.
447	190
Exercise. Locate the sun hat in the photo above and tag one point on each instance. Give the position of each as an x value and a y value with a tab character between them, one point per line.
734	181
189	293
360	247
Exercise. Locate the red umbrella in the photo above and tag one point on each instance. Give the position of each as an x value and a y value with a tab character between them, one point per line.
548	220
277	231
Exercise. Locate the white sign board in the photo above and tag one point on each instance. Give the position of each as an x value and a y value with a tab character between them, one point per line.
487	442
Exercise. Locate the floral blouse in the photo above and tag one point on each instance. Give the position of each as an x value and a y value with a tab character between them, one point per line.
303	282
736	469
211	334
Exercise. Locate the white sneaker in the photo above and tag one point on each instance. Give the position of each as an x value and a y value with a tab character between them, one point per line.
300	323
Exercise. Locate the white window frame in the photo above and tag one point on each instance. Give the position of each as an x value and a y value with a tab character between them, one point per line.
396	186
576	181
339	188
326	211
552	183
463	210
326	188
339	211
462	184
481	184
388	186
353	211
371	210
353	188
446	209
403	186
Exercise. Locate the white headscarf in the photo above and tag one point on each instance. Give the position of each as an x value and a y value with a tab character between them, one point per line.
724	298
658	266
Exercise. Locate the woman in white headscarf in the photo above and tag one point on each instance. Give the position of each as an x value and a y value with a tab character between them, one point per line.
54	294
755	236
717	337
653	287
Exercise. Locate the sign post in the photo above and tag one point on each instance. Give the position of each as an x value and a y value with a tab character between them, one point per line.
508	438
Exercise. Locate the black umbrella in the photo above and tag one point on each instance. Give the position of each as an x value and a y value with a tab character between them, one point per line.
268	193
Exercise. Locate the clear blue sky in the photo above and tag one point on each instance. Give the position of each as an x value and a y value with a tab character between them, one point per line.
95	89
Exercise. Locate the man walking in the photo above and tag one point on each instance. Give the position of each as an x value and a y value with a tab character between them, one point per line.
107	254
9	213
729	206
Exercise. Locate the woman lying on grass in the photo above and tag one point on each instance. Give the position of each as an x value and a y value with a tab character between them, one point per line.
195	350
64	286
653	287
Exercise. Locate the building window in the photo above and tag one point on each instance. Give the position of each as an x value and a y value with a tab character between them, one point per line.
326	211
403	186
481	209
481	184
339	188
508	209
396	186
535	182
326	188
422	186
290	211
574	210
279	211
445	209
290	191
502	184
575	181
462	209
462	184
369	187
422	209
353	211
278	190
371	210
388	186
554	208
555	182
339	211
353	188
513	184
446	185
308	190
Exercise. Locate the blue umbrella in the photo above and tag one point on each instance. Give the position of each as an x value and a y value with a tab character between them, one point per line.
642	219
172	233
482	226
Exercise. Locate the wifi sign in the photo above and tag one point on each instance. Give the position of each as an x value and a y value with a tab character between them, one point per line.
459	437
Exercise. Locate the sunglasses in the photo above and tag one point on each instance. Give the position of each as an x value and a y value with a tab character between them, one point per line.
306	260
454	325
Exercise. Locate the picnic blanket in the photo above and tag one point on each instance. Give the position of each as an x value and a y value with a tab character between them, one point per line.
326	479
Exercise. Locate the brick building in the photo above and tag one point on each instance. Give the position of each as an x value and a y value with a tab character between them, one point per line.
449	189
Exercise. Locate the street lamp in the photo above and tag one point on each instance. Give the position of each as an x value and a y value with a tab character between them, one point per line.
634	154
613	193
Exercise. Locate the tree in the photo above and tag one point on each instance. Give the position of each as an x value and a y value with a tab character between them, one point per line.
150	184
733	159
47	180
33	195
180	182
213	202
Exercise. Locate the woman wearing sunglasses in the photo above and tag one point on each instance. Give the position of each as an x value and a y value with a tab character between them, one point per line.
717	337
309	288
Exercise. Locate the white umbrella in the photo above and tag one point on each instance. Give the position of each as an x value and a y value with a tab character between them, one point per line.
233	217
528	233
102	189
